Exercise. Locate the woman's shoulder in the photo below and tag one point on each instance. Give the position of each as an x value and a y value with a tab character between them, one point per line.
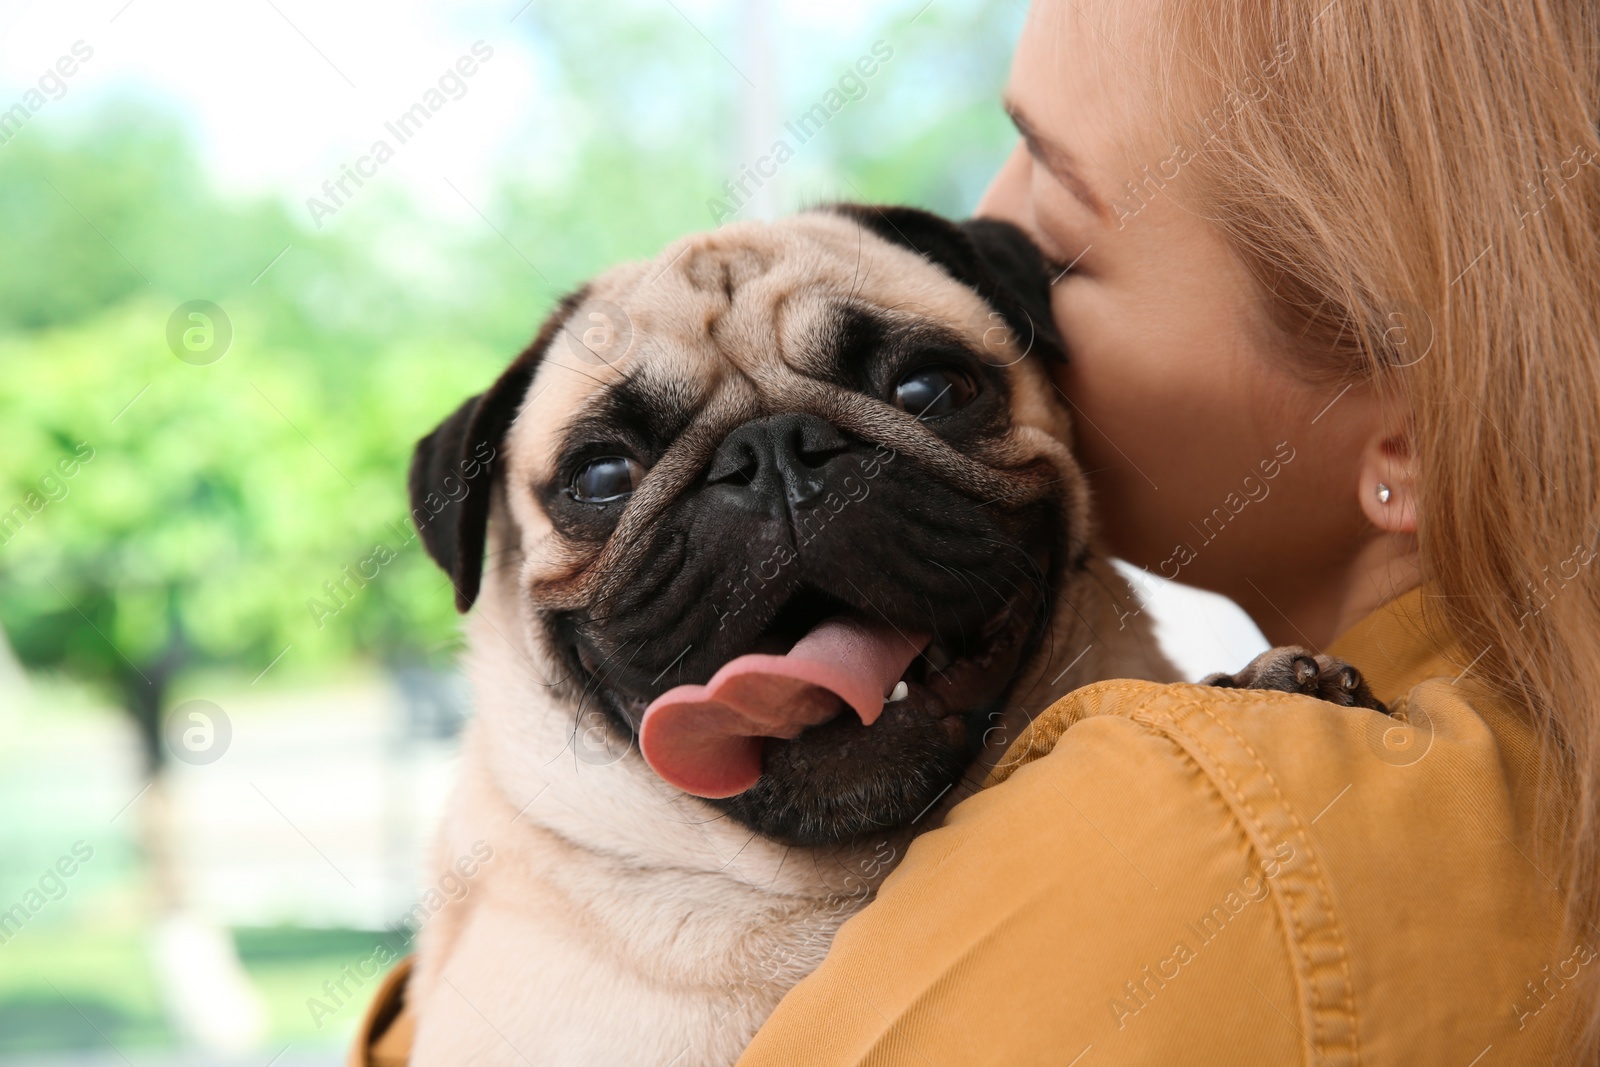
1156	868
1266	750
1449	764
1382	839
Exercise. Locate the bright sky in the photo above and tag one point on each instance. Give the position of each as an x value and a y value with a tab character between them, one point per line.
284	92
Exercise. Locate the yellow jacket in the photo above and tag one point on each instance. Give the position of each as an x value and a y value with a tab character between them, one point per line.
1175	874
1178	874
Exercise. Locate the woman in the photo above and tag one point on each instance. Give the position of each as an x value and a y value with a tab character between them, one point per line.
1368	232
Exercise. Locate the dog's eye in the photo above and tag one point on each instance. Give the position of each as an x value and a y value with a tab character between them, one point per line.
607	479
929	392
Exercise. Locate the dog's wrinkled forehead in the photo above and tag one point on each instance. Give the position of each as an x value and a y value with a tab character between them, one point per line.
743	317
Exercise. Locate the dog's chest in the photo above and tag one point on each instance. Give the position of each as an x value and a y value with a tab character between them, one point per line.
639	967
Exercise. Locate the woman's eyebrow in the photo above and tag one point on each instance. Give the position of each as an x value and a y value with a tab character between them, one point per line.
1055	158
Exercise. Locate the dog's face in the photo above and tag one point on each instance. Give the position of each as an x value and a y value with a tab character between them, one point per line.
845	413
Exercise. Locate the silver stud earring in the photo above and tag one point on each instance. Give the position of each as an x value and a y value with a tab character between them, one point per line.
1383	493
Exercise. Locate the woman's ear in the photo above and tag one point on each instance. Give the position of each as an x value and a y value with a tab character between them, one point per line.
1388	484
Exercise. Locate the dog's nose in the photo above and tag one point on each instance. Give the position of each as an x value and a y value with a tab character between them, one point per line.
779	458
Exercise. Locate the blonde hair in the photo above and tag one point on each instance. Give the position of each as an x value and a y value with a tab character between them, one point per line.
1417	184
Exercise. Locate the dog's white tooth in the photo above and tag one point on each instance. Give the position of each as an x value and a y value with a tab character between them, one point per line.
899	691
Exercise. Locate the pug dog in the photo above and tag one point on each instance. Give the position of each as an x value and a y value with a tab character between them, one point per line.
773	545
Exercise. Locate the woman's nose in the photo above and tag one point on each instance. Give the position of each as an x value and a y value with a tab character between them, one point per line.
1009	195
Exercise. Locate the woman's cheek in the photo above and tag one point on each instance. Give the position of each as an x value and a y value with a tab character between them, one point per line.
1102	376
1102	342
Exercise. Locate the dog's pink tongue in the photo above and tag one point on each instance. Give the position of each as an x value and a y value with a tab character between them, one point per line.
706	739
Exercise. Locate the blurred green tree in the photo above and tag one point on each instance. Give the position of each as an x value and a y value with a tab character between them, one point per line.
206	505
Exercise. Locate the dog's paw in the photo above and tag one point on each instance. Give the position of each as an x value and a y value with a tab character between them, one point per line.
1292	669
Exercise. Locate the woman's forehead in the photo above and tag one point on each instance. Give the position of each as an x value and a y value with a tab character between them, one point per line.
1086	74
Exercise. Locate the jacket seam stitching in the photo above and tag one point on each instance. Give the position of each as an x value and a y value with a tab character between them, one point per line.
1318	1007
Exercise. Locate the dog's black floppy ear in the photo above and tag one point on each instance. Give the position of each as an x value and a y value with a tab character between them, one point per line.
993	257
453	468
